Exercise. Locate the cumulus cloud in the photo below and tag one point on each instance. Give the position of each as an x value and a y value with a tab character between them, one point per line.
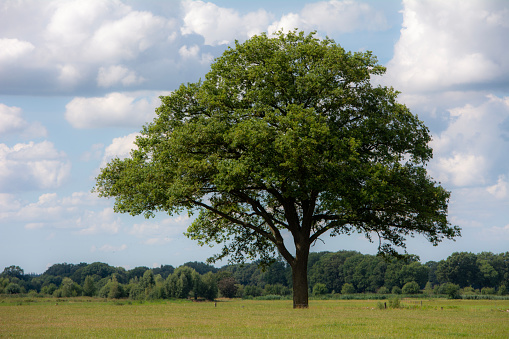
117	74
220	25
162	232
500	189
13	49
82	211
58	46
32	166
120	147
101	222
101	30
333	16
113	110
12	122
446	45
472	149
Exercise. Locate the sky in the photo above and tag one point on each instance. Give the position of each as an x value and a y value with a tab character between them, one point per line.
79	79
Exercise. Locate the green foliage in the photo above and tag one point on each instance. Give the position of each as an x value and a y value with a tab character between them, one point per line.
488	290
450	289
502	290
319	289
252	291
286	133
383	290
12	272
89	286
347	289
12	288
181	282
396	290
394	302
411	288
278	289
68	288
227	287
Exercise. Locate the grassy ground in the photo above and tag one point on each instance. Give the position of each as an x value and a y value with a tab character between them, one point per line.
87	318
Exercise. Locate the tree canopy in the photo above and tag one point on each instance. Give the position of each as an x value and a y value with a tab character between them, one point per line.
286	135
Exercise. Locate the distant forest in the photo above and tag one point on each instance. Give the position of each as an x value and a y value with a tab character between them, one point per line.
462	274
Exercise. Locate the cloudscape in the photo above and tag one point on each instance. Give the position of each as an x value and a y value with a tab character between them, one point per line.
79	79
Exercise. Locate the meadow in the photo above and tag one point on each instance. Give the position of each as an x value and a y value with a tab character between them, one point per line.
86	317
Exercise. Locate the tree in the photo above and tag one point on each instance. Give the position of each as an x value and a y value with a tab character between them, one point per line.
411	288
13	272
227	287
286	135
89	286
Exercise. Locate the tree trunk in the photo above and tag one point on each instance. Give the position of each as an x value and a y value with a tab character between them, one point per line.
300	278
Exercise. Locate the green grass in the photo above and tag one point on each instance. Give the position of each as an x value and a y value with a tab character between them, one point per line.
81	317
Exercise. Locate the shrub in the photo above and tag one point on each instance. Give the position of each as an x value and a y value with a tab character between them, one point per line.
411	288
12	288
394	303
319	289
396	290
488	290
452	290
347	289
502	290
252	291
467	290
383	290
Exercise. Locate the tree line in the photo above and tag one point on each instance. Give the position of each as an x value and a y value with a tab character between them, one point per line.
345	272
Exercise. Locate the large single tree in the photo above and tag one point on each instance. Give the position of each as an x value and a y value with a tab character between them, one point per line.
286	138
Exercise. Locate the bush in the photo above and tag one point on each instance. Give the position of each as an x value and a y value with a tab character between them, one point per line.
347	289
411	288
467	290
452	290
12	288
502	290
396	290
488	290
319	289
394	303
279	289
383	290
227	287
252	291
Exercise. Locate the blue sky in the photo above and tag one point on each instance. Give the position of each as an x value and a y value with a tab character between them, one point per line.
78	79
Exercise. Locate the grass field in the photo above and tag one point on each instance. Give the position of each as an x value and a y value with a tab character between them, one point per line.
87	318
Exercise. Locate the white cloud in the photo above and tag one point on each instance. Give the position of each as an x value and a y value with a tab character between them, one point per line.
449	44
161	232
12	122
472	149
125	38
117	74
462	169
113	110
220	25
82	211
189	52
32	166
102	222
499	190
13	49
333	16
120	147
58	46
